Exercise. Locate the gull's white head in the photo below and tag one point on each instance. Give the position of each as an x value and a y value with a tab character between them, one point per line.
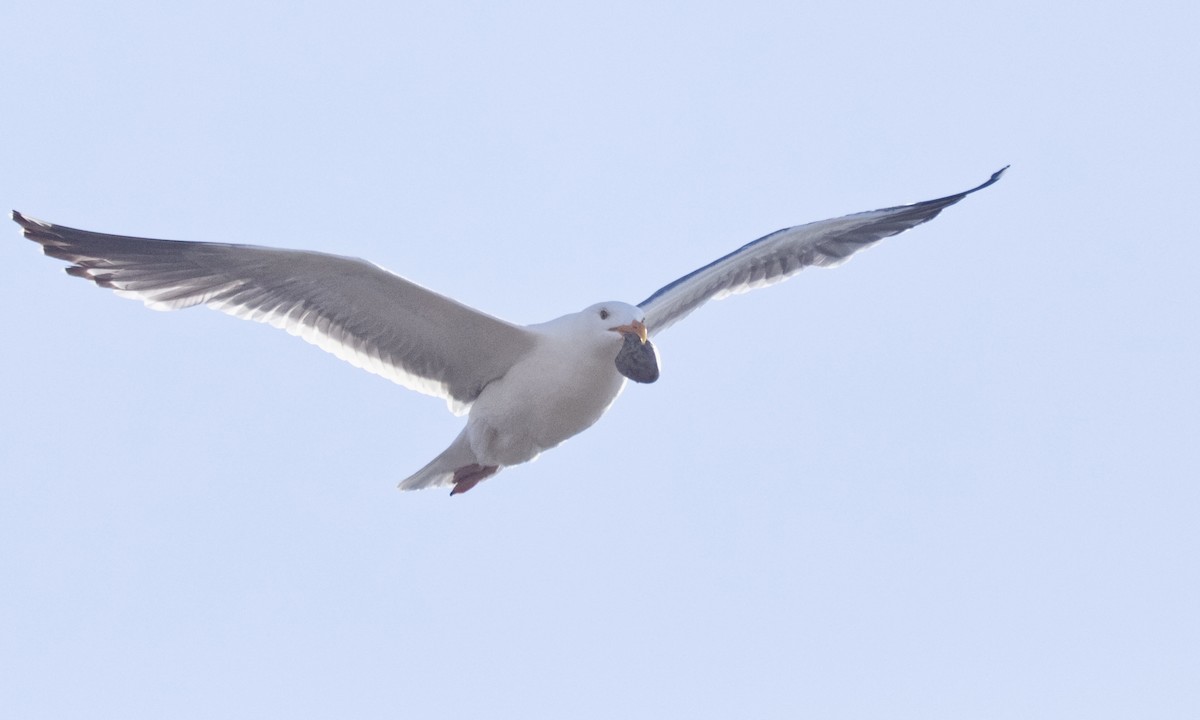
635	356
616	317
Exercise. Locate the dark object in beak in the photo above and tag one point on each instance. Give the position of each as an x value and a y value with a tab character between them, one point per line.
638	360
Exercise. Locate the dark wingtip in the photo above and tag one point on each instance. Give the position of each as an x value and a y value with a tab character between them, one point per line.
995	176
949	200
31	226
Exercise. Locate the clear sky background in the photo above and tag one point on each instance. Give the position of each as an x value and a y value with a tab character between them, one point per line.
955	478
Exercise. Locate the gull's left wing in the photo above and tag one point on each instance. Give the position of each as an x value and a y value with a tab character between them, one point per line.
776	257
363	314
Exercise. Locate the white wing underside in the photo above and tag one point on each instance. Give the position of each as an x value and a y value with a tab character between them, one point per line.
355	310
776	257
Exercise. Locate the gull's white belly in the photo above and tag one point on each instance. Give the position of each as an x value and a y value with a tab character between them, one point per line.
539	403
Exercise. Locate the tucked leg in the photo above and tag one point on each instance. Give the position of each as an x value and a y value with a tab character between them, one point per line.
469	476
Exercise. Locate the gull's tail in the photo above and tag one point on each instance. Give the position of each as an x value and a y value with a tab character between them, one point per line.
440	471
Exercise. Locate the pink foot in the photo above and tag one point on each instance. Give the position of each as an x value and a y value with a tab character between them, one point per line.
468	476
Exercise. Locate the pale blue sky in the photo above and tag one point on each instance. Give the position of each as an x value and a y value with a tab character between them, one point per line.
954	478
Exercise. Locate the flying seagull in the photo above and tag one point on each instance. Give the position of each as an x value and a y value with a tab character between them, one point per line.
526	389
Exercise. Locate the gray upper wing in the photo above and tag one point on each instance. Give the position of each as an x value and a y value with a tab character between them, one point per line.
778	256
358	311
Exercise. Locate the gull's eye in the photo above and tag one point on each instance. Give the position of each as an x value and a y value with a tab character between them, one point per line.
603	314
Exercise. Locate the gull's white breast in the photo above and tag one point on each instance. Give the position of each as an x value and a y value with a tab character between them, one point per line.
558	390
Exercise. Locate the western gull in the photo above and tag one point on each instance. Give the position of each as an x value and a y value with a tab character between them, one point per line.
526	388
